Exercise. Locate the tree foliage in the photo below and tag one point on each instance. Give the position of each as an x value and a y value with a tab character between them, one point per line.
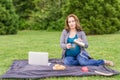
38	14
24	8
96	16
8	18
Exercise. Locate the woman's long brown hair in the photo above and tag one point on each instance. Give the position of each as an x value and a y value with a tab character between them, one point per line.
78	27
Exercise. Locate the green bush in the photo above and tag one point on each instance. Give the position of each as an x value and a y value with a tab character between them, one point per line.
24	9
8	18
96	16
38	14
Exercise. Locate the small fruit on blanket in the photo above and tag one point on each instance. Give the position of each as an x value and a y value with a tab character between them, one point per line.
58	67
84	69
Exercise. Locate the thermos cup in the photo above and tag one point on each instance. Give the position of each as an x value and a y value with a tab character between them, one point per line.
79	43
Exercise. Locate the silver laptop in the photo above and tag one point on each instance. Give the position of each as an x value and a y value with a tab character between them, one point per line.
38	58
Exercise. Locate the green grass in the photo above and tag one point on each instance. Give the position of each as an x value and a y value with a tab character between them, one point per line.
16	47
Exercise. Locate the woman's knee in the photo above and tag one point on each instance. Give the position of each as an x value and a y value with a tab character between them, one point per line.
70	61
83	63
67	61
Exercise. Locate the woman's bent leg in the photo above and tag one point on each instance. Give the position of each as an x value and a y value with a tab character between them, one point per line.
71	61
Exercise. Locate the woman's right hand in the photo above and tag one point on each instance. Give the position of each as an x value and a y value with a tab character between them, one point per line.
68	46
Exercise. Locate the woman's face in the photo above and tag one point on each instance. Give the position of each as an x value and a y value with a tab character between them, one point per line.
71	23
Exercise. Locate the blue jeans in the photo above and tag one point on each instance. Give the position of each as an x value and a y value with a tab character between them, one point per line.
82	61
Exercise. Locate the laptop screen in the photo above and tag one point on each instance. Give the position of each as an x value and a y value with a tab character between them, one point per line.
38	58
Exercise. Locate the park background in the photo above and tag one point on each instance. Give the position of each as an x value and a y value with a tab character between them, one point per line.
36	25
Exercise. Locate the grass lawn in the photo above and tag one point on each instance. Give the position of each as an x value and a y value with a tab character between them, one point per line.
16	47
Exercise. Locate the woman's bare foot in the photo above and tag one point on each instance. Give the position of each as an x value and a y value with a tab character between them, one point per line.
108	63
